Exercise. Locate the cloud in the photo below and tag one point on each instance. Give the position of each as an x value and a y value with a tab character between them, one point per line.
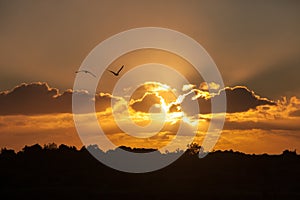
39	98
295	113
188	87
239	99
206	86
175	108
242	99
145	103
152	95
282	116
103	101
271	126
289	125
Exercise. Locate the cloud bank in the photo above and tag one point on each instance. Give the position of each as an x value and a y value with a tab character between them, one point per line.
39	98
35	112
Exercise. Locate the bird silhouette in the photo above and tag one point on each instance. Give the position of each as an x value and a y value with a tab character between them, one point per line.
118	72
87	72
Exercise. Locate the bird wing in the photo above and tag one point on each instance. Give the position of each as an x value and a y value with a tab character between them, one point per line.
78	71
113	72
86	71
120	68
91	73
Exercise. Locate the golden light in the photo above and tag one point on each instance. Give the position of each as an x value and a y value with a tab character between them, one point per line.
168	103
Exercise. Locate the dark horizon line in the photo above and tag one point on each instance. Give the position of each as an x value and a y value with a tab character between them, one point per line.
53	146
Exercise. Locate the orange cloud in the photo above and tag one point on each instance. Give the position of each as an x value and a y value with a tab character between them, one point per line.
209	86
280	116
256	121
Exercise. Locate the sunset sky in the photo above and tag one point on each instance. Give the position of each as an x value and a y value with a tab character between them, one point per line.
255	45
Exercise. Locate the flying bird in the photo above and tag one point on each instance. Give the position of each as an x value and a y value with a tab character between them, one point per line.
118	72
87	72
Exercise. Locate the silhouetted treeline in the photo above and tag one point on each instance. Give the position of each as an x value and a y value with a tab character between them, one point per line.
64	172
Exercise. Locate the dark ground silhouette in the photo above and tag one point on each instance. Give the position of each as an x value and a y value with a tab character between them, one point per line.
67	173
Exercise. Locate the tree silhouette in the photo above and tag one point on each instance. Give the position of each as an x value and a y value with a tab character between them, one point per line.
50	146
7	153
68	173
194	148
36	148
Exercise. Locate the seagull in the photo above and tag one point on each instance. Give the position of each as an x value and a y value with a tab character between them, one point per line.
86	71
116	73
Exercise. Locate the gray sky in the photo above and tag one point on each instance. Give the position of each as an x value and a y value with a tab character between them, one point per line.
254	43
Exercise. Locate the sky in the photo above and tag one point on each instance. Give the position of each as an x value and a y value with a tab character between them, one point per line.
255	45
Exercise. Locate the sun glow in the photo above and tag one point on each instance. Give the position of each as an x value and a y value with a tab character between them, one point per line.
165	101
153	114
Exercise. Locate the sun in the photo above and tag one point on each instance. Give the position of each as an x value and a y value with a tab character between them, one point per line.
154	101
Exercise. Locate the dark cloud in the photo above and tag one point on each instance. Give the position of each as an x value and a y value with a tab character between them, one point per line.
39	98
239	99
144	104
